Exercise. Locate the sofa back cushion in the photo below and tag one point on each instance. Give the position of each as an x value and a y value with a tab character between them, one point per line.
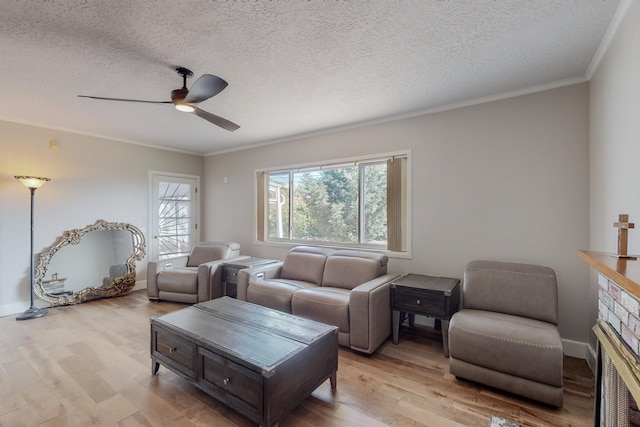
518	289
211	251
348	269
305	263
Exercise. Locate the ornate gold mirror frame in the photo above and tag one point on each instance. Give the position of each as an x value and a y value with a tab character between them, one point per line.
113	286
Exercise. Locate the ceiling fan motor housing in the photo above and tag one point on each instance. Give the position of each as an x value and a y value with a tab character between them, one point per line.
178	95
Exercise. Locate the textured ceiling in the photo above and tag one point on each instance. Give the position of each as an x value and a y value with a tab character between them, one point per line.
294	67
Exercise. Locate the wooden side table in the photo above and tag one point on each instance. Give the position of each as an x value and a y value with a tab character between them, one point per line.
230	272
437	297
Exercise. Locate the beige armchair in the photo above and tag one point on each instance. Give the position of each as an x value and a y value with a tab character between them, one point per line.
193	278
347	289
506	333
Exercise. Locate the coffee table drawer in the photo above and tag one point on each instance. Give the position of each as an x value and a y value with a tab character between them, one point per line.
232	383
180	352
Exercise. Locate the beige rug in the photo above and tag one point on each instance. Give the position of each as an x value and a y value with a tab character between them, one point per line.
501	422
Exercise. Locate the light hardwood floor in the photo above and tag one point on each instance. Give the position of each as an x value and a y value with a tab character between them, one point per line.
89	365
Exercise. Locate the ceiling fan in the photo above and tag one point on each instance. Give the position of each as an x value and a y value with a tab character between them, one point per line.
186	100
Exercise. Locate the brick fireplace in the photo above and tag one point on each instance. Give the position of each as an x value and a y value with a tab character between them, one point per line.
618	333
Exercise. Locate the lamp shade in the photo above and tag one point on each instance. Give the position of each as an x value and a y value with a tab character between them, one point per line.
32	181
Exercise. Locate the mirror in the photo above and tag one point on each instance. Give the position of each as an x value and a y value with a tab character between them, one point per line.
96	261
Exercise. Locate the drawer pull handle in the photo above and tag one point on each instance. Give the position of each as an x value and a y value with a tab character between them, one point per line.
418	302
172	349
226	381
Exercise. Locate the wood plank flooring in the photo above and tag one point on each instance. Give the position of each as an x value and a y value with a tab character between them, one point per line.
89	364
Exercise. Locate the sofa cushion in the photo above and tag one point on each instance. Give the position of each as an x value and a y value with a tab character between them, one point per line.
348	269
504	343
182	280
382	259
326	305
305	263
275	293
518	289
205	253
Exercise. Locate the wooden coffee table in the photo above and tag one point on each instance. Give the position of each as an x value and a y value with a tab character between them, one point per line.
258	361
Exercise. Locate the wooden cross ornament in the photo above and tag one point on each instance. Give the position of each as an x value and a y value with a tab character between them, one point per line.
623	225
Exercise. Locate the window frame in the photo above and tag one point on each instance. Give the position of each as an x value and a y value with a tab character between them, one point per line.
261	193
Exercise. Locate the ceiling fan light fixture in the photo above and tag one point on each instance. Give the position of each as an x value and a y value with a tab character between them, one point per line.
185	107
186	100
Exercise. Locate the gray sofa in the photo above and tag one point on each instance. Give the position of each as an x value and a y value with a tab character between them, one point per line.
506	333
348	289
193	278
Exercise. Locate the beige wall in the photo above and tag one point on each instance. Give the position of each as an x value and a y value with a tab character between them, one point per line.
92	179
505	180
615	142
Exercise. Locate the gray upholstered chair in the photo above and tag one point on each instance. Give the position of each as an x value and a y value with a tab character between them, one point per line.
506	334
193	278
115	271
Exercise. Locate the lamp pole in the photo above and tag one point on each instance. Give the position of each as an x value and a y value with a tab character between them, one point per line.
32	183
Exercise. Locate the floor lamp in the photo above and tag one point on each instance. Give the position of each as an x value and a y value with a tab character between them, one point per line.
32	183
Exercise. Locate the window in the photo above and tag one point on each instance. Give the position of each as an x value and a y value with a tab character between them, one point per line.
360	203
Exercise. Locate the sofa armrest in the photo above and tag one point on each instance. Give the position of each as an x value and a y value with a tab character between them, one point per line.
370	313
174	262
247	275
210	280
155	267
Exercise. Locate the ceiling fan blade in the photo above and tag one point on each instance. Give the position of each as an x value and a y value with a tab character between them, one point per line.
216	120
125	100
204	88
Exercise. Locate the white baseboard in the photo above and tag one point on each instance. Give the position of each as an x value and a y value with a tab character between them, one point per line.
580	350
140	284
575	349
19	307
12	309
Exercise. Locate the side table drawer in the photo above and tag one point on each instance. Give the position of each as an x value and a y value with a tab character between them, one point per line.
230	278
232	383
231	274
432	304
177	351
